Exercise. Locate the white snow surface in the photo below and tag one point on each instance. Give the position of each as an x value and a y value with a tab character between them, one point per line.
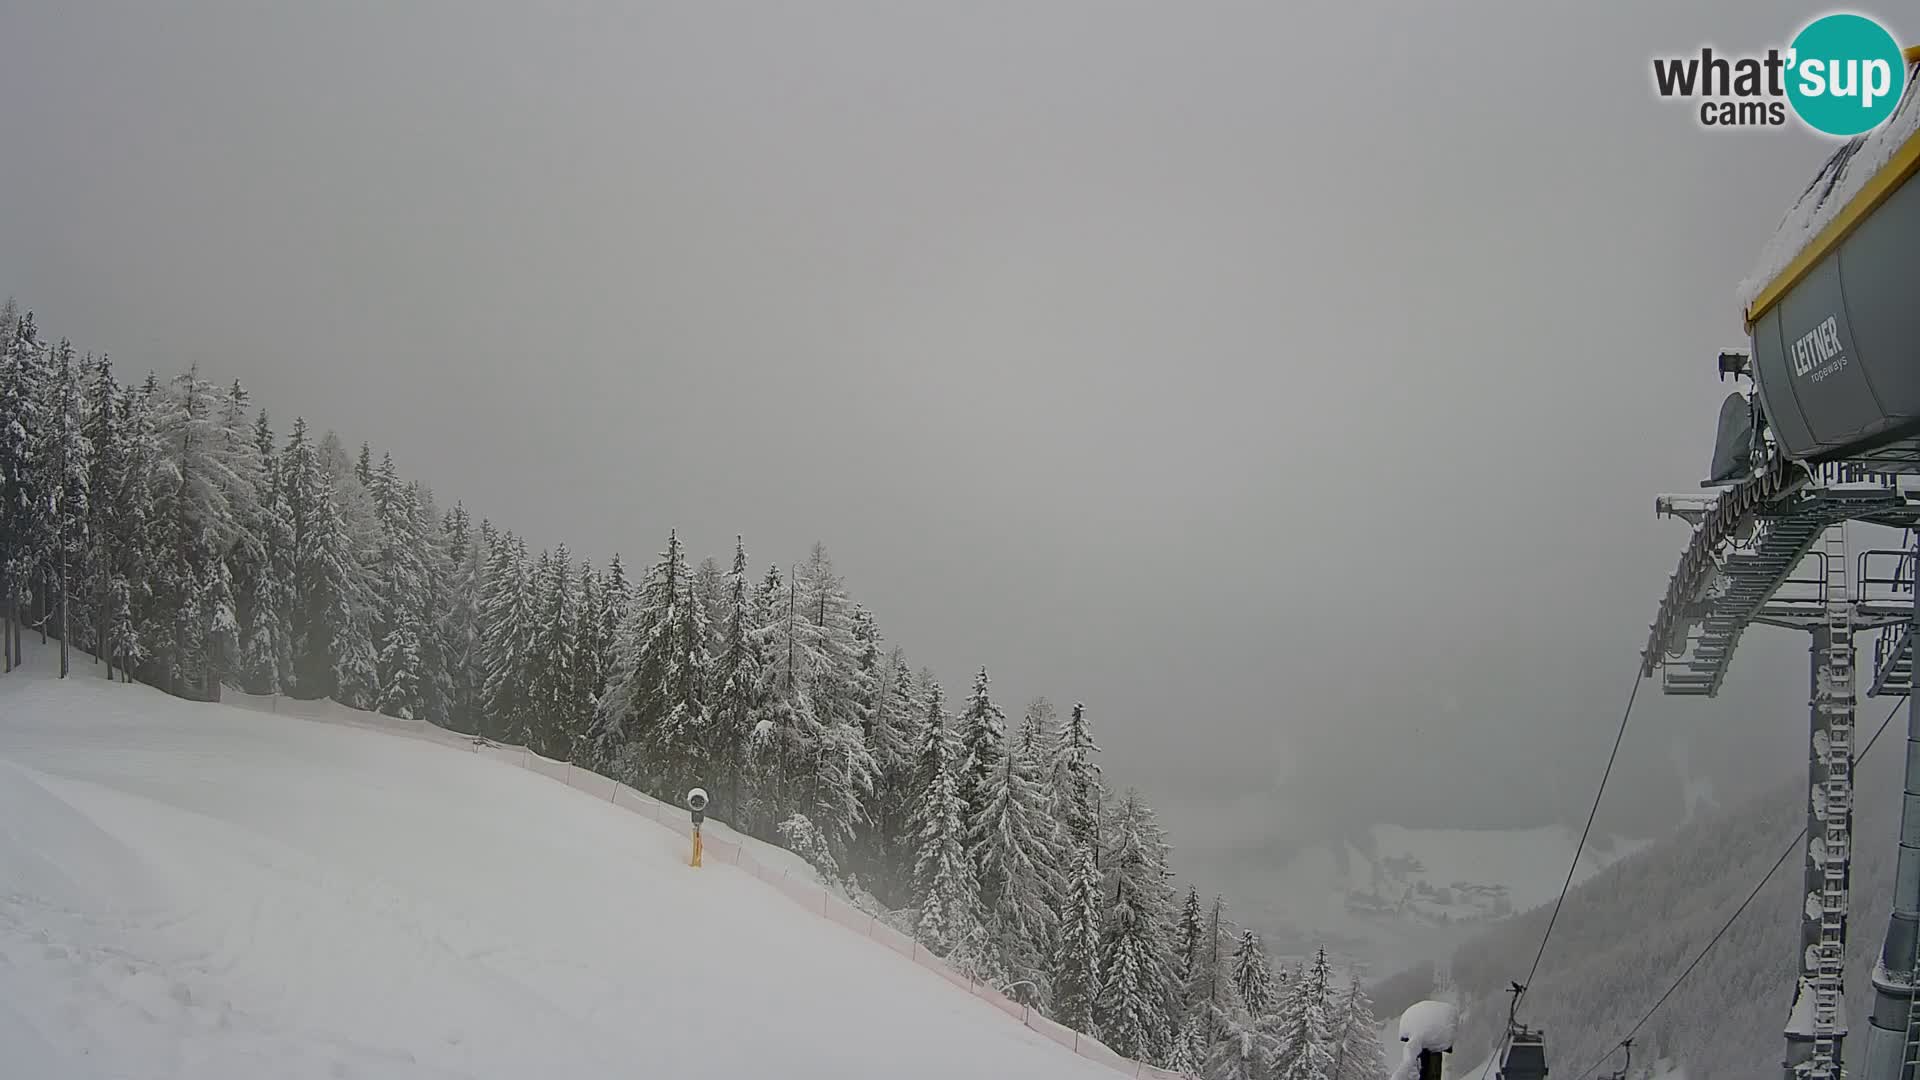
1838	181
192	890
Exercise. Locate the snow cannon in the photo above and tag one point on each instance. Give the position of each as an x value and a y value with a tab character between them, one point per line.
1427	1027
1833	309
697	802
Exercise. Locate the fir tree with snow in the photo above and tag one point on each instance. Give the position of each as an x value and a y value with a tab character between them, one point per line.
506	619
1130	1010
266	647
1015	849
738	673
1138	1001
401	587
1253	976
1241	1051
552	678
800	836
1212	1003
588	675
1076	957
1074	781
23	372
946	896
65	461
983	750
200	498
1357	1053
1039	734
898	707
1303	1026
460	628
1189	936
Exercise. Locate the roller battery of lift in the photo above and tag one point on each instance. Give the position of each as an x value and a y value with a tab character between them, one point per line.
1824	428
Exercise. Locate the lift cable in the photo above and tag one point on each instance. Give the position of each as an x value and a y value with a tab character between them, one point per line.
1574	866
1792	846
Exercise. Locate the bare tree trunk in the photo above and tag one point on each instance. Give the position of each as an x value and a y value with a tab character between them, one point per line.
214	670
64	635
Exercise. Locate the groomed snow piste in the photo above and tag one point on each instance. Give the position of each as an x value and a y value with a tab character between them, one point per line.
191	890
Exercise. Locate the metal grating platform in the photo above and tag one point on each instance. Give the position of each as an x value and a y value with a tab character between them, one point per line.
1725	584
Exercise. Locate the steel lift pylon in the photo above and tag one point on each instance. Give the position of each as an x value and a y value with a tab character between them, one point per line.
1827	432
1744	566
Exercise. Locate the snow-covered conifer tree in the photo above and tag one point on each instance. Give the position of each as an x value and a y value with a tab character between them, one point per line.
1357	1053
1138	1001
1076	957
23	368
552	677
945	892
1240	1052
65	459
588	675
1253	976
983	743
266	636
401	585
1039	734
898	707
1016	850
1189	937
1303	1027
1074	781
1130	1009
737	675
658	693
462	639
506	617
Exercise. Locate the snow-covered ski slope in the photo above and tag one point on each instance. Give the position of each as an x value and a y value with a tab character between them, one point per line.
205	891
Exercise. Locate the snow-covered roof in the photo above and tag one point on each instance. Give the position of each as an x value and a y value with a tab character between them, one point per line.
1846	175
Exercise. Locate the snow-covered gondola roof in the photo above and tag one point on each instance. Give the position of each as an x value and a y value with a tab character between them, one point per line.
1852	183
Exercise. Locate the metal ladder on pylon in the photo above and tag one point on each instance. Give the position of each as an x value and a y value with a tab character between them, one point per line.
1836	690
1911	1056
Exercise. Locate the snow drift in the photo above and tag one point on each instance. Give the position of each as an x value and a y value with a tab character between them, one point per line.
191	890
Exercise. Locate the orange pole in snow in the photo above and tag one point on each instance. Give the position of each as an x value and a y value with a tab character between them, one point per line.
696	845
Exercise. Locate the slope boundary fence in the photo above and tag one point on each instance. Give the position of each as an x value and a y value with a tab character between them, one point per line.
800	889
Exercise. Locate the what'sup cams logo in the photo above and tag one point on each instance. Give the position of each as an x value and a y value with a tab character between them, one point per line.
1842	75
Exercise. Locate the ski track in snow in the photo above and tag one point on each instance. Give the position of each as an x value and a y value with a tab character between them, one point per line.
191	890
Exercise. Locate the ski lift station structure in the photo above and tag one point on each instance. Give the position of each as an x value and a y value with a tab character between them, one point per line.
1824	429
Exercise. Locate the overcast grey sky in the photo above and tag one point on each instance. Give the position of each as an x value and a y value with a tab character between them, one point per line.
1291	382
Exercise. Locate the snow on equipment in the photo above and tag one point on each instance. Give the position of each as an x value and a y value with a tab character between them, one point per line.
1834	308
1829	432
697	802
1427	1027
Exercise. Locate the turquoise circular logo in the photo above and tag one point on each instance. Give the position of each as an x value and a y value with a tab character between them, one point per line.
1845	74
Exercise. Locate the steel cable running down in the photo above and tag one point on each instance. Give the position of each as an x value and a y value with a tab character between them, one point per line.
1792	846
1573	868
